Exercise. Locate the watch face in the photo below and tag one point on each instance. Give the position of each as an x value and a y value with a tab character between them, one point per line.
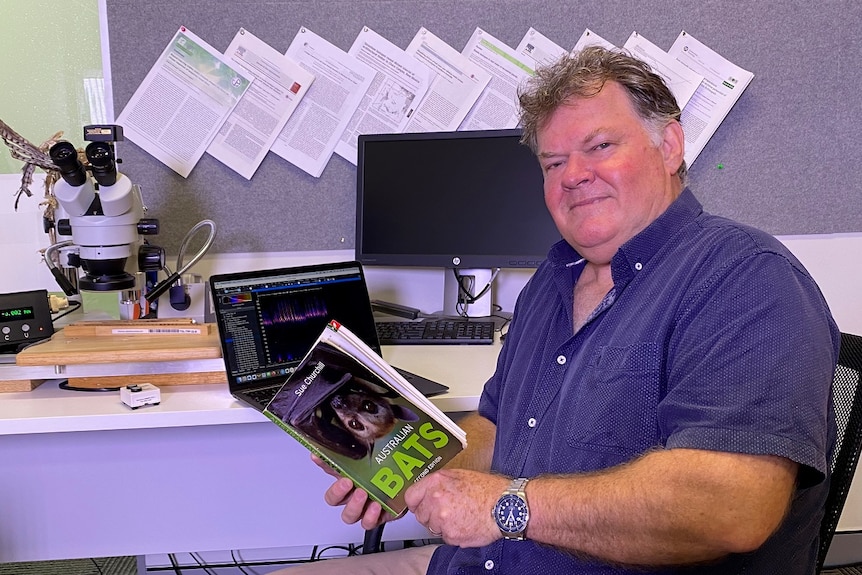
511	514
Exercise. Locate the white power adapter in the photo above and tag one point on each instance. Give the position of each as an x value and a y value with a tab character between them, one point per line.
140	394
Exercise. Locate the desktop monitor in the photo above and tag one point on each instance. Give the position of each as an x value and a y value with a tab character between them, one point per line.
469	200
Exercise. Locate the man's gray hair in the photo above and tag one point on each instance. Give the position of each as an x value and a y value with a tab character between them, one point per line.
582	75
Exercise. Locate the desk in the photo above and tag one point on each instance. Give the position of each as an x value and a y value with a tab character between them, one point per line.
81	475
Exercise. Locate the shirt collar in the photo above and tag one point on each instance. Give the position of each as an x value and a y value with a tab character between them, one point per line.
637	252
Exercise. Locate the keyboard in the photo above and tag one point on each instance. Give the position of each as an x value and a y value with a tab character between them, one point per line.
437	331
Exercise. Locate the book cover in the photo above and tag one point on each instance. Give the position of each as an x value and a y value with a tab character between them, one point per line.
348	406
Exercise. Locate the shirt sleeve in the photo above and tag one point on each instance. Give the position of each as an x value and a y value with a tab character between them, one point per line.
752	374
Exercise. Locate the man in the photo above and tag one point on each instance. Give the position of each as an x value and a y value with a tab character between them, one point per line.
665	384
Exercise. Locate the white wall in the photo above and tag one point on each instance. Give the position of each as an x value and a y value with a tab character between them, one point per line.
835	261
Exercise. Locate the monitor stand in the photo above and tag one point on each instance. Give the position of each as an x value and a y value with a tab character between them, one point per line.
475	281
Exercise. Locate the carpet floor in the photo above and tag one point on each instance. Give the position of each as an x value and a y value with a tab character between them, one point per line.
99	566
853	570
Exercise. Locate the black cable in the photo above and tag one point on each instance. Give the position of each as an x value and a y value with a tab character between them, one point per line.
350	550
24	346
469	297
498	314
237	563
465	297
68	311
174	564
230	565
65	385
96	565
201	563
465	291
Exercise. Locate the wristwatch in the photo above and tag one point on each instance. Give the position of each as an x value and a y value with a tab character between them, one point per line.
512	512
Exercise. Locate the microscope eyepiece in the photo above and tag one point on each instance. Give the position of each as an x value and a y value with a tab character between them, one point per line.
102	163
65	157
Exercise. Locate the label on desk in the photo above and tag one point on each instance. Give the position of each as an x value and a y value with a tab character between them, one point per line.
62	349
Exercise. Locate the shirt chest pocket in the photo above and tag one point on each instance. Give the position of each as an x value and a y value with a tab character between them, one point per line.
614	403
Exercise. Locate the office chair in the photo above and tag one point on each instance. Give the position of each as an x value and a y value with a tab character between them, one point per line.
847	390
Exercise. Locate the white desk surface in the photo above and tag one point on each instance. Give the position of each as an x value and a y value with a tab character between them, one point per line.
49	409
85	476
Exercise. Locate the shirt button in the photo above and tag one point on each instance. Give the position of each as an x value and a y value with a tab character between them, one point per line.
531	422
561	359
639	266
489	564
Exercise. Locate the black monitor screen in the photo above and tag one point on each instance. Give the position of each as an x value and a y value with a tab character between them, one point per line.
451	199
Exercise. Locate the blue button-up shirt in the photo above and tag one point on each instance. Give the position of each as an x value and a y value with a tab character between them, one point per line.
713	337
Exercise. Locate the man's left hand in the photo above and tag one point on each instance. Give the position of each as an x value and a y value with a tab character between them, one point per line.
457	504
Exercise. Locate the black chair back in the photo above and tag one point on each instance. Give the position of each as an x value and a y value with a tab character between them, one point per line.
848	414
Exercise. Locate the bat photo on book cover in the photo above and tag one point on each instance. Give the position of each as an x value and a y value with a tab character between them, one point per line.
345	412
357	413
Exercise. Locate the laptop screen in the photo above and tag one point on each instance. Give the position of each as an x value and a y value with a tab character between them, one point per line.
269	319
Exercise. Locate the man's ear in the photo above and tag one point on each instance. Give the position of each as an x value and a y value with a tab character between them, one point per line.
673	146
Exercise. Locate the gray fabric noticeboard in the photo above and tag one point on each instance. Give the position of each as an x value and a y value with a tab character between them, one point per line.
789	150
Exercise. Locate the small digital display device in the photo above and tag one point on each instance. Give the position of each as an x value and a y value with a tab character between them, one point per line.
15	313
25	318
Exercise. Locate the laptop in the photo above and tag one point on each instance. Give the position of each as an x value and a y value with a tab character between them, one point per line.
269	319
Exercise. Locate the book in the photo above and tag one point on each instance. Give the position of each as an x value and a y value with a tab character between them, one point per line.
358	414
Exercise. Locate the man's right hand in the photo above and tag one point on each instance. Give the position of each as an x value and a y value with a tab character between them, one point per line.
358	506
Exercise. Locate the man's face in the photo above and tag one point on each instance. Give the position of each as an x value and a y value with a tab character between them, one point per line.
605	178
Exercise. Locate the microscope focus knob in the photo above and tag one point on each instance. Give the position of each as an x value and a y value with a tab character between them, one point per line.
148	226
64	228
151	258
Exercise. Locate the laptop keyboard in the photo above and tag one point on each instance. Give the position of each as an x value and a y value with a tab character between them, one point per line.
263	395
448	331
